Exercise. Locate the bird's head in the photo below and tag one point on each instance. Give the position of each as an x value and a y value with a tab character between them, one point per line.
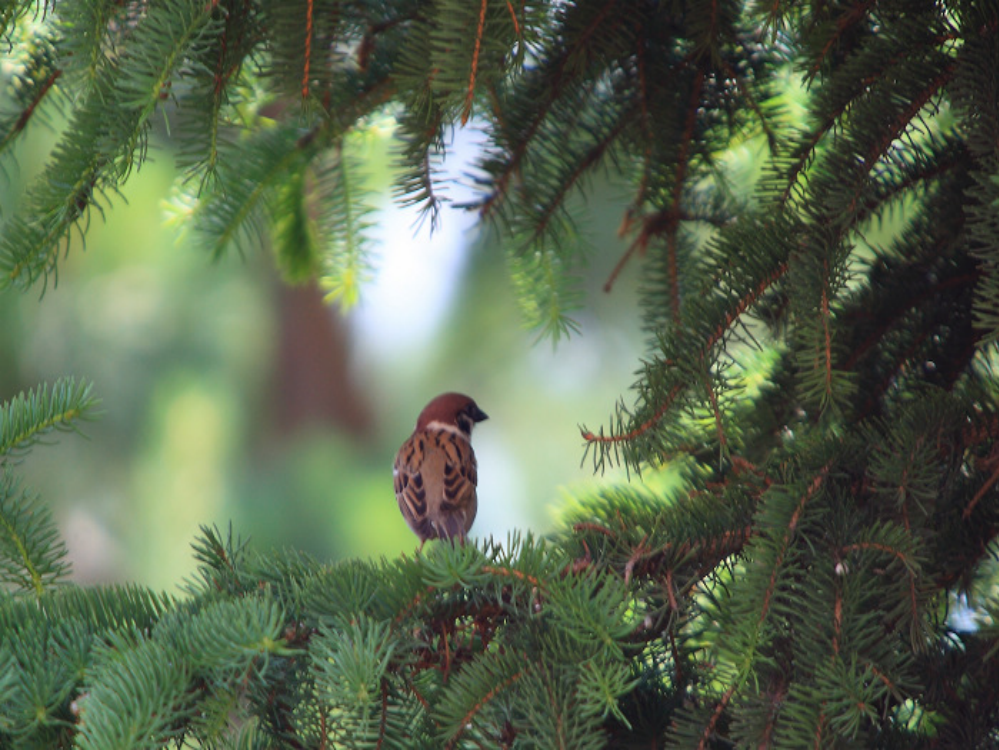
449	411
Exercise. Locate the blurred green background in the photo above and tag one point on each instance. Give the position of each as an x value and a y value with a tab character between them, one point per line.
228	396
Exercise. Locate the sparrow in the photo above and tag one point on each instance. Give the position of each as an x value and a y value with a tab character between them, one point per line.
435	470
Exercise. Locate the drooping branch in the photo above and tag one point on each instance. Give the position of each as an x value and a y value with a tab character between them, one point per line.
733	314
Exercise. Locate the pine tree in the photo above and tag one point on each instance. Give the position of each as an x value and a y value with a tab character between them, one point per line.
829	400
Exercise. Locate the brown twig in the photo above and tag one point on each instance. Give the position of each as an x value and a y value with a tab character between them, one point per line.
792	525
511	573
989	483
467	718
307	54
470	94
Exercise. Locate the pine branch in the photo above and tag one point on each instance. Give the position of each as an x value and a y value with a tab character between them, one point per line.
135	699
714	335
100	146
466	110
850	18
479	686
32	87
29	417
32	556
10	15
221	220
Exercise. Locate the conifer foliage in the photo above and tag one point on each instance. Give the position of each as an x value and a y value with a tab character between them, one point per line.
830	398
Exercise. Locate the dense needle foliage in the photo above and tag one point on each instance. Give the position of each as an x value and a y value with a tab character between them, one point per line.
829	399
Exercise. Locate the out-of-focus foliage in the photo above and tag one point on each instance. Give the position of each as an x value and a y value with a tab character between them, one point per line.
264	108
185	355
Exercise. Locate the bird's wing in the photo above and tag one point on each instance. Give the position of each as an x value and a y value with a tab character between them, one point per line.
458	502
459	471
410	491
435	478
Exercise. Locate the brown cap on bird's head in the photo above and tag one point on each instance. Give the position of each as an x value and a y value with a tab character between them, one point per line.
451	409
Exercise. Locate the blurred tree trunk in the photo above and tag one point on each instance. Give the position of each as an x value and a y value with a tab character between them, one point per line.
313	384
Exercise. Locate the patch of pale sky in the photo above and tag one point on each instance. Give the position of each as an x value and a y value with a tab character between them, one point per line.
414	282
417	270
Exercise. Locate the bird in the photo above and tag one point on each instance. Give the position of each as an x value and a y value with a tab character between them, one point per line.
435	473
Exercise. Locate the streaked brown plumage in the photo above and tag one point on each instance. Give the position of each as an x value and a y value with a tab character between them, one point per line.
435	469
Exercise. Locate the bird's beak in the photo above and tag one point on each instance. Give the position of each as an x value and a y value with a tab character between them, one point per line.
479	416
